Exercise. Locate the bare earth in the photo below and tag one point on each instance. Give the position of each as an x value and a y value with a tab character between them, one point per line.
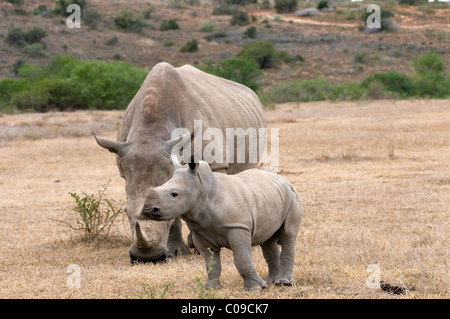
374	179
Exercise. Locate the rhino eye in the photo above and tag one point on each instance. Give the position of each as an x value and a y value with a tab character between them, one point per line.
174	194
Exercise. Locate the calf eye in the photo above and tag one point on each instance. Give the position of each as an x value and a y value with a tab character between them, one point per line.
174	194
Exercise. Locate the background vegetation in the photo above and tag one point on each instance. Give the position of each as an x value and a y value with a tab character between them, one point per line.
260	44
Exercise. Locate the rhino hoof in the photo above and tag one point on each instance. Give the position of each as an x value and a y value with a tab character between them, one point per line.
283	282
214	284
255	287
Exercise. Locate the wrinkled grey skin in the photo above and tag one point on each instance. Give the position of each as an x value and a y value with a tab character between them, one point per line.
239	211
173	98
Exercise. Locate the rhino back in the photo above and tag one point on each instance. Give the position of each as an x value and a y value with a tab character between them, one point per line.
174	97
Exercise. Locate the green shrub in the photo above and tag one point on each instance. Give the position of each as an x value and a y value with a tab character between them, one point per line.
92	18
322	4
429	62
393	82
360	58
169	25
239	70
376	91
169	43
61	6
431	79
285	6
68	83
208	26
190	46
36	50
15	2
264	53
129	22
250	33
239	17
216	35
347	91
20	38
112	41
94	214
224	9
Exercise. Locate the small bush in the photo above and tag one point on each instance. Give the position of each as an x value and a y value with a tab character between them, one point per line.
265	54
208	26
94	214
239	70
431	79
360	58
92	18
190	46
429	62
61	6
112	41
250	33
285	6
393	81
169	25
376	91
129	22
20	38
169	43
224	9
36	50
239	17
322	4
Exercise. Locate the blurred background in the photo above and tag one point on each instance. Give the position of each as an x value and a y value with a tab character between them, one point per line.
285	50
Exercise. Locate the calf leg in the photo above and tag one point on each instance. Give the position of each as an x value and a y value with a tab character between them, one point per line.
241	245
288	237
271	254
212	260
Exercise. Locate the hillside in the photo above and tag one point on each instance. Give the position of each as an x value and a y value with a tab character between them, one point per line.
331	44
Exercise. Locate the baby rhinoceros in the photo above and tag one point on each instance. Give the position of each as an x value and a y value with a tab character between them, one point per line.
239	211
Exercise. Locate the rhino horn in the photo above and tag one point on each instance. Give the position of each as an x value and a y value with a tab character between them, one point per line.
112	146
141	238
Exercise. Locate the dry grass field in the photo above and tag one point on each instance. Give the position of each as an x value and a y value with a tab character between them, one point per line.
374	178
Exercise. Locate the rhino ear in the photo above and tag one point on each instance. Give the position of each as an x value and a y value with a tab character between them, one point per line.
112	146
192	165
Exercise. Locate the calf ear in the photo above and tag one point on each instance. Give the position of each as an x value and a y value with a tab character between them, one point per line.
192	165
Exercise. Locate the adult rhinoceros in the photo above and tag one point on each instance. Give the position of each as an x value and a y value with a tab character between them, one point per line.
172	98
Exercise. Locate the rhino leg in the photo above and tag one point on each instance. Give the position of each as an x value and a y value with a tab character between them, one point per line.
271	254
288	237
240	243
212	260
175	243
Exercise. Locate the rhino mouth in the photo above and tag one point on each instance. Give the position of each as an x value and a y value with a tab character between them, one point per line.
138	256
